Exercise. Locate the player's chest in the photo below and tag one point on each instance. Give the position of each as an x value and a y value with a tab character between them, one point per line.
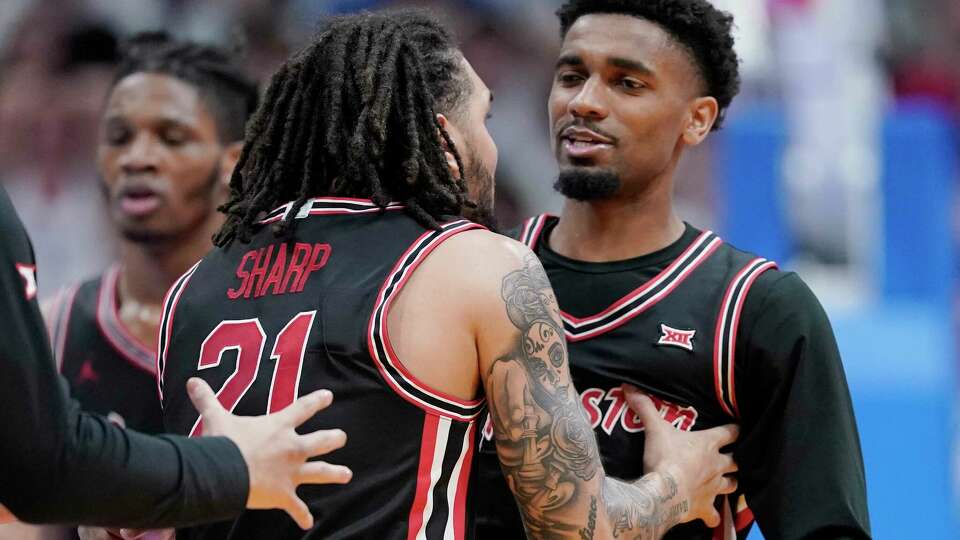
674	349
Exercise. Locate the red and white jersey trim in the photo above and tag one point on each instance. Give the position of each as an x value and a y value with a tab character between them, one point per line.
166	324
724	349
113	329
57	316
328	206
439	441
382	351
640	299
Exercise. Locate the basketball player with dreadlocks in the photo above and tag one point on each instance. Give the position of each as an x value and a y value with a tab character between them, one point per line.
347	260
713	334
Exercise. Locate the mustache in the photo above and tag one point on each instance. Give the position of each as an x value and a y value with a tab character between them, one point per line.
585	124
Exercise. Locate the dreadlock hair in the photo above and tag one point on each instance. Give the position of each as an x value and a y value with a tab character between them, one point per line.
217	74
696	25
354	114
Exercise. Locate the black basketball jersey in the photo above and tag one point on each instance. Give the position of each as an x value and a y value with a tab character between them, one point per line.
668	326
109	370
274	319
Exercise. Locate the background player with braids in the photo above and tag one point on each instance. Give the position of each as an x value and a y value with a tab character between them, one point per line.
713	333
346	262
170	134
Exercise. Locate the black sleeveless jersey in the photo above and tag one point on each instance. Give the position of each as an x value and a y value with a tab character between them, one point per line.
670	332
274	319
109	370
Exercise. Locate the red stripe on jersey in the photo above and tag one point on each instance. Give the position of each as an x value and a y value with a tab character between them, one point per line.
743	519
129	346
460	502
539	224
164	340
719	332
428	444
393	358
653	282
653	300
61	324
733	332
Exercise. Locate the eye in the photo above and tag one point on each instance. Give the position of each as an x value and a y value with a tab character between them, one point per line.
569	78
116	135
629	83
174	136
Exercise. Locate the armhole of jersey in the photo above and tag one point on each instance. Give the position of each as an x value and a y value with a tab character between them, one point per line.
166	324
58	321
381	350
728	320
531	230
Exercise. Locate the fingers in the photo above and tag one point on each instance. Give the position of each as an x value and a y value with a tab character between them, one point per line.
321	472
299	512
304	408
713	519
322	442
643	407
725	434
203	399
728	465
728	484
6	516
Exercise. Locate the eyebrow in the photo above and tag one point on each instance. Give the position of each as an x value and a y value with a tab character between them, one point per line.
569	60
630	65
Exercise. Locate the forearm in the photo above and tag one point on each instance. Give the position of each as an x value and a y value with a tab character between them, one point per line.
105	475
645	509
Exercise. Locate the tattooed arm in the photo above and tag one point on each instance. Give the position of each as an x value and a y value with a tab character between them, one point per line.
547	449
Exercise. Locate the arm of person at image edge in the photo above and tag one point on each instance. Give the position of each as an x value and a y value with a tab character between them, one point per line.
558	480
64	466
801	467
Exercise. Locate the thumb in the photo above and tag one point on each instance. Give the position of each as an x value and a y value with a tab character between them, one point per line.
203	399
643	407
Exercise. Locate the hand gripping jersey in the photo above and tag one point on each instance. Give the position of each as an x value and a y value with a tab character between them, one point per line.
665	322
274	319
110	371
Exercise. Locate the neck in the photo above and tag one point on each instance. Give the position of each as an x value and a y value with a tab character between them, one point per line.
619	228
148	270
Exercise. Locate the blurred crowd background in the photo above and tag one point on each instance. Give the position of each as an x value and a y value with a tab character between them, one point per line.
838	160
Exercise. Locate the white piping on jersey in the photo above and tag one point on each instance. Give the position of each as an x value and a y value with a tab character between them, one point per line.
726	334
436	469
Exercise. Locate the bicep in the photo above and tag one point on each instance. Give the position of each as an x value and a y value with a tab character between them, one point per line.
799	451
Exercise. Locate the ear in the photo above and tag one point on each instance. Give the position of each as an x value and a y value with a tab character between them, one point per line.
703	114
228	160
451	159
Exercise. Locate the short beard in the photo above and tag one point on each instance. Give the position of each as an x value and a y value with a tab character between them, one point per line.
582	184
155	239
481	212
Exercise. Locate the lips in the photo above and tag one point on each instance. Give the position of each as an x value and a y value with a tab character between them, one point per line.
583	143
139	201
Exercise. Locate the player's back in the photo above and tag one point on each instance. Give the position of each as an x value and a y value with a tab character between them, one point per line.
270	320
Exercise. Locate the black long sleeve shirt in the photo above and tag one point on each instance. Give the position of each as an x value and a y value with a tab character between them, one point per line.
60	465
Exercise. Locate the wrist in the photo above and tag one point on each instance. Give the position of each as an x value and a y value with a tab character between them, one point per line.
674	504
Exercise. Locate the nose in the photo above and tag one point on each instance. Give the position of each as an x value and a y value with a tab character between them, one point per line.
589	103
139	156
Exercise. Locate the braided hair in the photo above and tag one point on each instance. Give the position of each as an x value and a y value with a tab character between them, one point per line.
217	74
354	114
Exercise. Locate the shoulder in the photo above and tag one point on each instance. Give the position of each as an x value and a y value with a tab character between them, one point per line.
782	294
472	265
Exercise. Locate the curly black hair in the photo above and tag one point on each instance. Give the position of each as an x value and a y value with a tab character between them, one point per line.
354	114
703	30
217	74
